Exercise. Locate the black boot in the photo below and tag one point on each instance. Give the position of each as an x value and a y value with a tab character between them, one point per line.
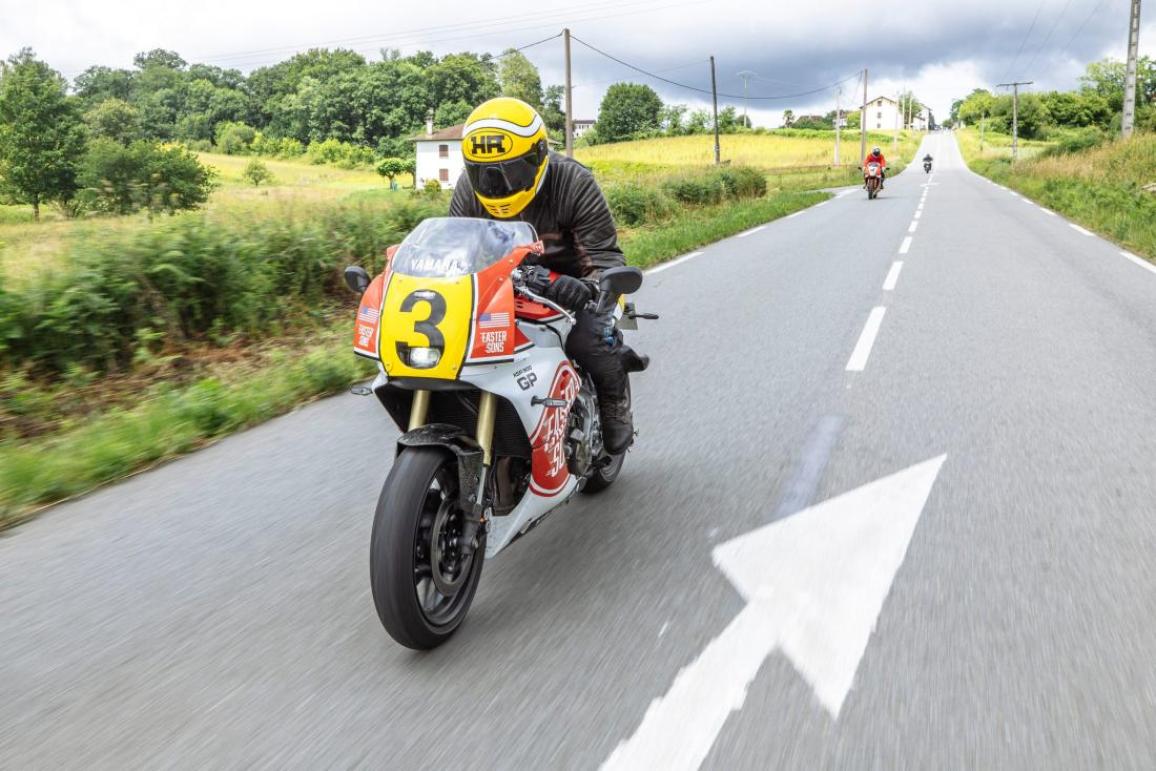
617	424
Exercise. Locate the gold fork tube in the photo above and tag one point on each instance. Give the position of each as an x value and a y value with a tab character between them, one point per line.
419	410
487	411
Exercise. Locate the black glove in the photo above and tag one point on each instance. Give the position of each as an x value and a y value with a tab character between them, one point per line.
570	292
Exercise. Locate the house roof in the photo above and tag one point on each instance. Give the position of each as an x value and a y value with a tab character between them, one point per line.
884	98
453	132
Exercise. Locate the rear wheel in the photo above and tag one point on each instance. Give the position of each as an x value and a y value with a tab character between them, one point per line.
422	583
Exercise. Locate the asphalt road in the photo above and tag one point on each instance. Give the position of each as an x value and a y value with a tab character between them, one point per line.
215	612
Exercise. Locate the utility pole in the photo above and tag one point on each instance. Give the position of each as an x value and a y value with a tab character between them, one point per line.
838	120
895	133
569	96
982	124
1129	117
863	121
714	100
1015	113
746	75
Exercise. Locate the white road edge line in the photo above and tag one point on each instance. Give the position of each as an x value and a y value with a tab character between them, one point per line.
892	276
1048	212
672	263
792	216
750	232
1139	261
859	356
1079	229
905	245
846	193
823	203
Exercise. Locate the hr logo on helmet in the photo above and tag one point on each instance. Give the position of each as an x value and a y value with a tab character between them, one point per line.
487	143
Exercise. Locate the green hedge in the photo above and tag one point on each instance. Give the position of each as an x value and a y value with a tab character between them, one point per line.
192	277
634	204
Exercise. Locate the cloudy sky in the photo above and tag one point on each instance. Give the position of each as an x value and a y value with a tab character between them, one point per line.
940	48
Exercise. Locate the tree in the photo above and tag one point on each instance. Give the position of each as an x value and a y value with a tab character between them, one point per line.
392	167
628	109
114	119
670	119
553	111
234	138
788	118
256	172
452	114
518	77
144	175
41	133
699	122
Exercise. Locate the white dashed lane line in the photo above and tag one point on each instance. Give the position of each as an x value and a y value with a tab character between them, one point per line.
911	228
905	245
862	352
892	276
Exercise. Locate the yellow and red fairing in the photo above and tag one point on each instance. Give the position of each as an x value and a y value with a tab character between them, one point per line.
467	319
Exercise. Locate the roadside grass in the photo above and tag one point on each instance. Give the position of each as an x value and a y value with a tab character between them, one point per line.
168	420
1102	188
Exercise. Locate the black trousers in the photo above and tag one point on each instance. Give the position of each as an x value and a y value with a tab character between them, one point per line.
595	343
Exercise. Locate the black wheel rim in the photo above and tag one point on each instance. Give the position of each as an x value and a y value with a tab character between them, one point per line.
441	574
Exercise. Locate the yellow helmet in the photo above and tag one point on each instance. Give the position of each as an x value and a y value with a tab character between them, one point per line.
505	150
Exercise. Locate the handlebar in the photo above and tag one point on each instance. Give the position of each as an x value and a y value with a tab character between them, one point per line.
521	288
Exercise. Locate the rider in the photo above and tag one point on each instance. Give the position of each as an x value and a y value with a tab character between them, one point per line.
511	173
876	156
927	158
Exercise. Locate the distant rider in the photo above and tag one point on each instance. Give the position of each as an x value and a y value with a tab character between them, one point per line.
876	156
511	174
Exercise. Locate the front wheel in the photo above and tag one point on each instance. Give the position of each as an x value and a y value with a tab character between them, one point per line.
422	583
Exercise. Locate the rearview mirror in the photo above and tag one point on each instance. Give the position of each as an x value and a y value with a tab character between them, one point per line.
356	279
618	281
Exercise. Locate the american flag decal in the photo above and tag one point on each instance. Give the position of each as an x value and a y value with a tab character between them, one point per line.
368	314
494	320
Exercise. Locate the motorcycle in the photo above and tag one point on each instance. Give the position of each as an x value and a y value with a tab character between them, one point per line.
873	179
927	167
500	426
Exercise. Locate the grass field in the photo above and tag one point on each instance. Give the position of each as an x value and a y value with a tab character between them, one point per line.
995	146
764	151
1103	188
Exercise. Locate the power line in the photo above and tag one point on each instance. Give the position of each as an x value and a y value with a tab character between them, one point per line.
1023	43
708	91
1051	32
1080	29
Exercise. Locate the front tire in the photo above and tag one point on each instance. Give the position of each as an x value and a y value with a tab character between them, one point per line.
422	586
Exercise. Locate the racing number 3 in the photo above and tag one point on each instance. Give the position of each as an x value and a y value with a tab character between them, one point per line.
427	327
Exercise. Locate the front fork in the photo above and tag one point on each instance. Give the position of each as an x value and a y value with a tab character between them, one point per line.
487	412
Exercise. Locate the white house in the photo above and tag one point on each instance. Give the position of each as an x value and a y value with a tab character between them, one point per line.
581	126
882	113
439	156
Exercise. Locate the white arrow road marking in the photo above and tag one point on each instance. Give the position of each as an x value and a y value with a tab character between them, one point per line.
815	584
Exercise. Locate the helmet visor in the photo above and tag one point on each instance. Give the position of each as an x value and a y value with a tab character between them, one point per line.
504	179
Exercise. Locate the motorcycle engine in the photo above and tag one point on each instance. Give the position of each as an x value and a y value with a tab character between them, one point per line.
584	433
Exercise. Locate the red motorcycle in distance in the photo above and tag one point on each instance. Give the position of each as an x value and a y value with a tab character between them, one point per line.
873	179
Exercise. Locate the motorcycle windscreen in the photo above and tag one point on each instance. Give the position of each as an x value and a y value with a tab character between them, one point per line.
425	325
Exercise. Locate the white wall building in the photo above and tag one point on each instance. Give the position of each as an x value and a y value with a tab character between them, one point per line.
883	114
439	156
581	126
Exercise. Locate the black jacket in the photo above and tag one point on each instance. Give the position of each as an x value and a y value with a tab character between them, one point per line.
570	215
